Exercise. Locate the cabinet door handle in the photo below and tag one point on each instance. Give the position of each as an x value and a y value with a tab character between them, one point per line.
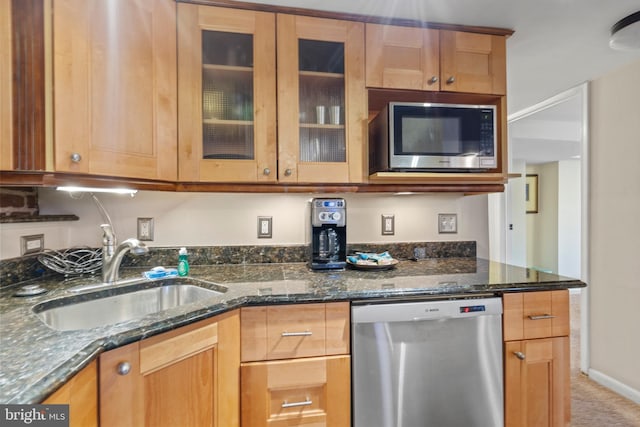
123	368
451	80
542	317
433	80
520	355
266	171
75	157
287	172
296	334
296	404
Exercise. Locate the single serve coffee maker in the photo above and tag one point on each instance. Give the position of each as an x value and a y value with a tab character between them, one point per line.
328	234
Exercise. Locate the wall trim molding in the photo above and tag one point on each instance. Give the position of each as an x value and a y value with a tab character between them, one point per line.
615	385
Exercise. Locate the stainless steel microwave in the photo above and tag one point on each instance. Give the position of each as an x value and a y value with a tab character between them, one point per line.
428	136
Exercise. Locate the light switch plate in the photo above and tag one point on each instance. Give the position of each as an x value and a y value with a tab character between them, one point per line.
145	229
447	223
32	244
264	227
388	225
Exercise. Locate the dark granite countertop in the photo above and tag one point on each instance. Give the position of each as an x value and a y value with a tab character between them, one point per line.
35	360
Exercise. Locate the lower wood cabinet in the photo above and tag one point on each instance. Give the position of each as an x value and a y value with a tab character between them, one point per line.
297	368
536	359
311	391
185	377
81	394
537	386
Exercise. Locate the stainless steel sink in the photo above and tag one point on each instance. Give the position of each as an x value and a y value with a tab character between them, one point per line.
103	308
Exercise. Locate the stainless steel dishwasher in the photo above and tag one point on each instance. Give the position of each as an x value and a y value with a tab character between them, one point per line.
428	363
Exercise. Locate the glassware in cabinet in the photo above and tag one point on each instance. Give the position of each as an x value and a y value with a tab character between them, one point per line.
321	101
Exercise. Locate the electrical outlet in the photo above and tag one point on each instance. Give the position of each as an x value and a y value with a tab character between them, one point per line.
145	229
264	227
388	225
447	223
32	244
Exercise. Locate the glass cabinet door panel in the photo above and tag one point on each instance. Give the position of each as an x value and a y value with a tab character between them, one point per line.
322	109
227	95
321	56
322	89
223	48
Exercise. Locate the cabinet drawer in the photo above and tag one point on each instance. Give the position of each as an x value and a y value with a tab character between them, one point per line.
289	331
536	315
312	391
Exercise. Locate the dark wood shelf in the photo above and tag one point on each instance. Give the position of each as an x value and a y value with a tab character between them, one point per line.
16	219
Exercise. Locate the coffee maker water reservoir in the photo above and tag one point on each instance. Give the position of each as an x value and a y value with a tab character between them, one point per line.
328	234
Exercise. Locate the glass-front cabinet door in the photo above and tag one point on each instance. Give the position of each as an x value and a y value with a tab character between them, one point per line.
226	87
322	108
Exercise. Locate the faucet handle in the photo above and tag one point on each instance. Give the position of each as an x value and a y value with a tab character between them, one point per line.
108	238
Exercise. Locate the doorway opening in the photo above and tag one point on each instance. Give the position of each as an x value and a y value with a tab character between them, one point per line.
544	226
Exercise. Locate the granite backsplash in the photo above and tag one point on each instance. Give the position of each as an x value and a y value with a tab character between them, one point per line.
23	269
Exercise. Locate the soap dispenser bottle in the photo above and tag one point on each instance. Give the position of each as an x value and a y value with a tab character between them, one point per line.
183	262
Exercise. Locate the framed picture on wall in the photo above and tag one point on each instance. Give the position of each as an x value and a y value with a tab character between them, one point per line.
531	193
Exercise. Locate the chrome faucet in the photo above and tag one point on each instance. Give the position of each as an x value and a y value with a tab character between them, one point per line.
112	253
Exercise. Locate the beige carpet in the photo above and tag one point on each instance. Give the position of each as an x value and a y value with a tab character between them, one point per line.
593	405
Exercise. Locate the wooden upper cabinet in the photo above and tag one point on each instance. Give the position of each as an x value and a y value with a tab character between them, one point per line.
473	63
227	86
322	109
402	57
435	60
115	91
6	133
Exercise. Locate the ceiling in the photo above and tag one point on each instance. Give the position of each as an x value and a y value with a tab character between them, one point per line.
557	45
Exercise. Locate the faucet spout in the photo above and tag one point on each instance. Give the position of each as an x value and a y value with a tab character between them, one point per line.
112	255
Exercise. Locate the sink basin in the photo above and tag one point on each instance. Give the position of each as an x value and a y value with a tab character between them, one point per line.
104	308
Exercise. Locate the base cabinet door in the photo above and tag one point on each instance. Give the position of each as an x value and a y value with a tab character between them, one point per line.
297	392
81	394
537	388
186	377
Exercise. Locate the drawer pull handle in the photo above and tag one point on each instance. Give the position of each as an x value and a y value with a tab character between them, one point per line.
520	355
297	334
307	402
542	317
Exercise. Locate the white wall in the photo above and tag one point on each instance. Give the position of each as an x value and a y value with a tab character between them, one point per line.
216	219
517	236
553	234
569	218
542	227
614	273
